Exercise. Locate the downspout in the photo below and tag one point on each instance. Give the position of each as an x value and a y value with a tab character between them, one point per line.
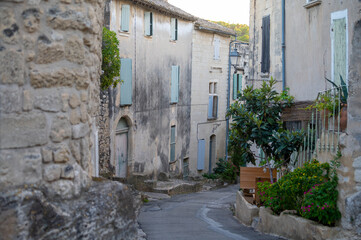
283	46
228	96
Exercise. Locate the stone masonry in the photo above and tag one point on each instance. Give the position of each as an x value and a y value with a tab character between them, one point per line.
49	69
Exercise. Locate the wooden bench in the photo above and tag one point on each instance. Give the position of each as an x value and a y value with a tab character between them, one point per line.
248	180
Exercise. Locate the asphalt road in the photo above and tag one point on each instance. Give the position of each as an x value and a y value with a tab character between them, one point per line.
202	215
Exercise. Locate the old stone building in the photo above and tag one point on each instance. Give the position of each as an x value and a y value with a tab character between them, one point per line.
50	64
301	43
209	94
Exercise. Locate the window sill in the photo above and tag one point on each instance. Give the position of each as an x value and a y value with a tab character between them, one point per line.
123	34
264	75
212	119
312	4
173	103
173	41
148	36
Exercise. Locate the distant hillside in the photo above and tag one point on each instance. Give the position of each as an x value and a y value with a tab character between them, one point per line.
242	30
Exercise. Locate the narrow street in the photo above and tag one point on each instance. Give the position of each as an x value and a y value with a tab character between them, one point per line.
202	215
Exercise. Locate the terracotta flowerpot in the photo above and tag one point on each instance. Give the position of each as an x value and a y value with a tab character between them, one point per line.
343	118
324	118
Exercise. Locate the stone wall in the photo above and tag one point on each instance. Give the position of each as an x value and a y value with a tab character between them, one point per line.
50	57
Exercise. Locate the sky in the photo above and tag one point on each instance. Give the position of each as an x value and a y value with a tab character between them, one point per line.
230	11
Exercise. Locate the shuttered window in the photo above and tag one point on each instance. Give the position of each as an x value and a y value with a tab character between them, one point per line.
237	85
212	101
125	18
201	154
126	85
174	28
265	64
174	84
172	144
148	23
216	44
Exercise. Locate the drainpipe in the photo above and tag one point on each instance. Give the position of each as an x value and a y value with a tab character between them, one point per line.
283	46
228	95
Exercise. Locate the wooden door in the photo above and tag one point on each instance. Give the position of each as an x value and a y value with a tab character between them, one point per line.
121	155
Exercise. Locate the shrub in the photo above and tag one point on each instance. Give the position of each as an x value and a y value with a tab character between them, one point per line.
211	176
111	60
310	190
227	170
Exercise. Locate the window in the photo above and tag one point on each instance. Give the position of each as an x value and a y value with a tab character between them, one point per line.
148	23
237	85
265	64
172	144
126	86
312	3
174	84
174	29
216	44
213	101
125	18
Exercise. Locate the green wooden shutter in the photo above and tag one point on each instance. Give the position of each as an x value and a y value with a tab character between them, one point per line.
174	84
148	23
239	83
174	28
126	86
339	50
125	17
210	106
265	64
172	144
235	86
201	154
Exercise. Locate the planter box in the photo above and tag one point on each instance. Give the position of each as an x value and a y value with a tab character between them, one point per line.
245	212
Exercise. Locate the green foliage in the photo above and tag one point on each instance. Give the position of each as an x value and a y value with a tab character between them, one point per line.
226	170
211	176
310	190
256	118
111	60
242	30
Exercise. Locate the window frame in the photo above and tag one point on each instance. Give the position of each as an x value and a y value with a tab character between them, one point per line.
213	100
150	34
175	30
123	18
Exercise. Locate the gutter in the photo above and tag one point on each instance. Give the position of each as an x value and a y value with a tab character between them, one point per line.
283	46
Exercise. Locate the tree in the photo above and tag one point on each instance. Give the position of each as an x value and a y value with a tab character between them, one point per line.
256	118
111	60
242	30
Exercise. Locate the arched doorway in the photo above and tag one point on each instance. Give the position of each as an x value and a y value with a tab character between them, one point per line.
121	148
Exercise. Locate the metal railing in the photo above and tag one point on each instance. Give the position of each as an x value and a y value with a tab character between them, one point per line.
323	129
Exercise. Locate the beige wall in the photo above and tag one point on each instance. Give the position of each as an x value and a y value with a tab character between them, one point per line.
205	69
308	44
151	114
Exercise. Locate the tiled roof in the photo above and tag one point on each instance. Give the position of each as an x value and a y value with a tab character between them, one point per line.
202	24
165	7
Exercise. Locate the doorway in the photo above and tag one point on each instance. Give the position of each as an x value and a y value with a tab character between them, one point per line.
121	148
212	152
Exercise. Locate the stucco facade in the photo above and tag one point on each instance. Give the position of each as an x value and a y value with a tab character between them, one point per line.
151	112
210	56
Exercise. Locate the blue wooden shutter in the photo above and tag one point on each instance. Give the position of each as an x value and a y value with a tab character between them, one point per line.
265	65
210	107
174	28
174	84
201	154
235	89
125	17
148	23
126	86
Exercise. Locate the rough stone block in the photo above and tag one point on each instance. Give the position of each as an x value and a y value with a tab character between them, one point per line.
62	154
64	100
27	130
84	96
82	80
358	175
27	100
74	50
49	52
74	101
47	154
9	30
19	166
75	150
60	129
10	100
80	130
353	211
74	117
67	172
12	67
31	17
85	153
357	163
52	78
47	100
62	18
83	113
52	172
63	188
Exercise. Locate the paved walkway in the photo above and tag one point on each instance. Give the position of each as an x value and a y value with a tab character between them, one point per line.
202	215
